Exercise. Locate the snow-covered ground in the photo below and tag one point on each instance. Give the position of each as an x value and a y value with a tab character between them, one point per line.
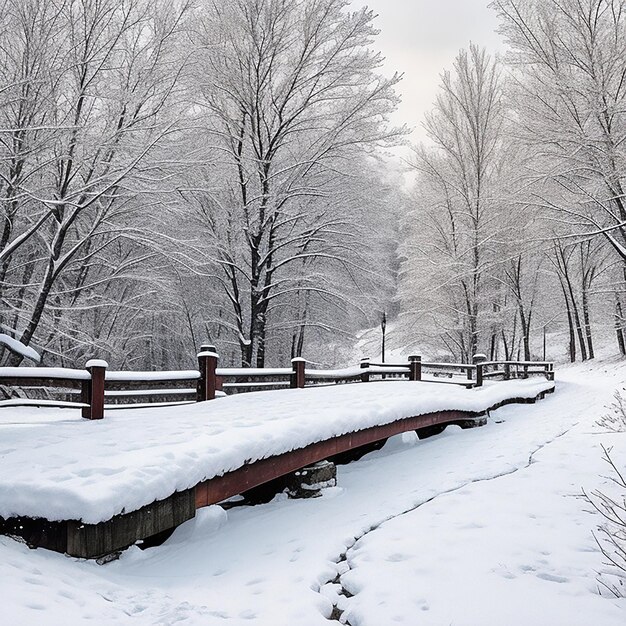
474	527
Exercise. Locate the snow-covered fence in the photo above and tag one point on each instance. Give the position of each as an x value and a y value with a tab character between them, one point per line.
458	373
47	380
97	388
506	370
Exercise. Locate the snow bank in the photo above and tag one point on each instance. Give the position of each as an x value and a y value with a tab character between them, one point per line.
92	470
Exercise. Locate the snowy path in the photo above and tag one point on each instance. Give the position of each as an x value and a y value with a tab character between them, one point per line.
346	584
491	539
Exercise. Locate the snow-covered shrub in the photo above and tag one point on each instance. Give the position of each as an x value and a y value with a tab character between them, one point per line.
610	534
615	420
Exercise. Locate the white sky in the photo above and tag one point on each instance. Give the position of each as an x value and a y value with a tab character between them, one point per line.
420	38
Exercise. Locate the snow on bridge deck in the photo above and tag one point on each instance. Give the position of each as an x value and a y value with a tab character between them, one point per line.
55	465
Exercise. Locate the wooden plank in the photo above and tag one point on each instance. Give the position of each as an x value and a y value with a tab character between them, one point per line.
94	540
30	381
460	367
36	532
91	541
257	385
329	380
468	384
132	385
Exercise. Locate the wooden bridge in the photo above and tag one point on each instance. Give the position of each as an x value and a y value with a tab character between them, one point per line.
323	417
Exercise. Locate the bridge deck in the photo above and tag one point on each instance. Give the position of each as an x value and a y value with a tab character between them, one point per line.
58	466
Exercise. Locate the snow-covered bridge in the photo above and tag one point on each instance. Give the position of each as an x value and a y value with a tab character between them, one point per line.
89	487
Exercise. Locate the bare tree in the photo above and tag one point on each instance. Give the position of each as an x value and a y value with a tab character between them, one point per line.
290	101
610	534
96	78
572	87
460	193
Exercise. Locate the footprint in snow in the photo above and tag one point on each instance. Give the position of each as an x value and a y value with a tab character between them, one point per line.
553	578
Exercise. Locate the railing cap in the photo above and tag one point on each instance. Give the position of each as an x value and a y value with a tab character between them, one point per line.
415	357
96	363
209	354
298	359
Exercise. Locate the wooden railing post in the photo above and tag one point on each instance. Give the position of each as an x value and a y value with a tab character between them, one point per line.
470	375
479	360
415	367
365	376
507	371
298	376
219	380
93	390
207	384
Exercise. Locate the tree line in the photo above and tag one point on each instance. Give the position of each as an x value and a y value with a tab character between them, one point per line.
517	226
180	171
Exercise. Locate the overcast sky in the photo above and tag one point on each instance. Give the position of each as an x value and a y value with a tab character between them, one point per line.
420	38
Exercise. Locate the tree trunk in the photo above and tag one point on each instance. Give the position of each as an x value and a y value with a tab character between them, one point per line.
619	321
587	321
570	322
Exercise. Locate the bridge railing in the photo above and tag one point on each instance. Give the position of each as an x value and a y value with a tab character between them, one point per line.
97	388
507	370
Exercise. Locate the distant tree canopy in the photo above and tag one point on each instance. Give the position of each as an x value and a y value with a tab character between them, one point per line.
518	225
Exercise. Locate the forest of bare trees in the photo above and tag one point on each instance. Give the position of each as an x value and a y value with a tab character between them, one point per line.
177	172
182	171
518	211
